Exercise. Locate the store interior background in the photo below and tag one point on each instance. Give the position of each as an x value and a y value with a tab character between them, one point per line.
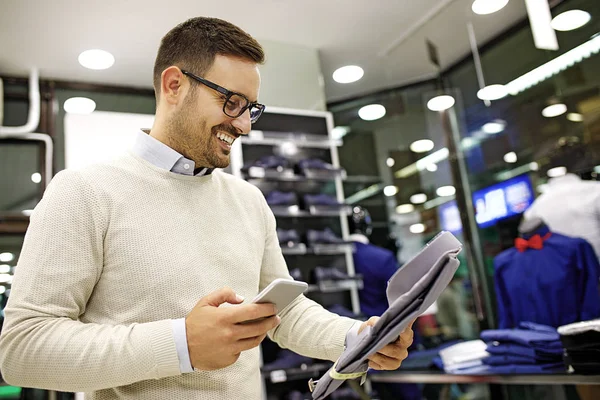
305	42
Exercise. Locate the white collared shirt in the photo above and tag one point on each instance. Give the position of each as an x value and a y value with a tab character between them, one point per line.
571	207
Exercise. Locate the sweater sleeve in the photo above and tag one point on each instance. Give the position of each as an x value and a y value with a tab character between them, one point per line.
43	343
306	327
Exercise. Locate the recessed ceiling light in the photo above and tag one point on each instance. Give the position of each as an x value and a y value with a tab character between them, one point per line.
492	92
570	20
371	112
390	162
390	191
422	146
554	172
2	289
445	191
511	157
6	257
36	177
441	103
418	198
96	59
348	74
496	126
405	208
27	212
554	110
483	7
431	167
79	105
4	268
534	166
575	117
417	228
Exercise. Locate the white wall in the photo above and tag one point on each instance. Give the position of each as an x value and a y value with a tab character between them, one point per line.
291	77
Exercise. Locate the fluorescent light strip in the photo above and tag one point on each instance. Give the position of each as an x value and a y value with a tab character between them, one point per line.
438	201
540	19
422	164
364	194
555	66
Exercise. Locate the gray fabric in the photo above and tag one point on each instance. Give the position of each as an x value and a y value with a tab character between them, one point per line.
410	292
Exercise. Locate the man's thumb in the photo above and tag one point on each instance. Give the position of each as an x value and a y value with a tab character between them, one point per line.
223	295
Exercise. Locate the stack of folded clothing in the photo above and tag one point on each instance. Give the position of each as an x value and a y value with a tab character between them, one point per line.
581	341
530	349
423	360
465	358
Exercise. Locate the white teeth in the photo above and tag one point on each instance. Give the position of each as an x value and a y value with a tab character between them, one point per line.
229	140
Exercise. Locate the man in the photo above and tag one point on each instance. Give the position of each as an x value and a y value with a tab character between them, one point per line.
105	296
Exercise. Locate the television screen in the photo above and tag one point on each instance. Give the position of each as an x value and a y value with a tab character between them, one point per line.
503	200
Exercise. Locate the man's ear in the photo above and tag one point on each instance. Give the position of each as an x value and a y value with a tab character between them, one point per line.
173	85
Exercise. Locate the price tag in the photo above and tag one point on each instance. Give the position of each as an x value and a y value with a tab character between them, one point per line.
278	376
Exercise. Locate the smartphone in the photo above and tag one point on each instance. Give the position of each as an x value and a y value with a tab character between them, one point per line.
280	292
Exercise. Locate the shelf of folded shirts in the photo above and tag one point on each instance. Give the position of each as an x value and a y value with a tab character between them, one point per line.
313	211
336	286
294	374
257	174
433	377
266	138
317	249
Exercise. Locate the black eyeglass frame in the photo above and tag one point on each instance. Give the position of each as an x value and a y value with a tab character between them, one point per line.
228	93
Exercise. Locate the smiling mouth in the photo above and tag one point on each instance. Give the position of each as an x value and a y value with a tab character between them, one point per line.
225	138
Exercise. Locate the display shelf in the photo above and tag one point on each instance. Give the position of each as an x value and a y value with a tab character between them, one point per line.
336	286
294	374
314	211
322	250
440	377
258	174
265	138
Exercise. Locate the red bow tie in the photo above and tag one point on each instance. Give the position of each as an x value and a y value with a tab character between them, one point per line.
536	242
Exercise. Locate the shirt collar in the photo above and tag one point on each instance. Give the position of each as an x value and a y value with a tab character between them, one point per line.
159	154
357	237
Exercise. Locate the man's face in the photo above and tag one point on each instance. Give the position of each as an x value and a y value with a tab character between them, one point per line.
197	124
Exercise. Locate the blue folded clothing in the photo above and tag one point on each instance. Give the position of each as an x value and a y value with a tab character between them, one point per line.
527	369
510	359
525	351
539	337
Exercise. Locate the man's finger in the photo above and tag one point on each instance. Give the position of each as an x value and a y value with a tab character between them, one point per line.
249	343
223	295
258	328
374	365
406	338
394	351
385	362
250	312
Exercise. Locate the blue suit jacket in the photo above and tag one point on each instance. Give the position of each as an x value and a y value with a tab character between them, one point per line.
554	286
377	266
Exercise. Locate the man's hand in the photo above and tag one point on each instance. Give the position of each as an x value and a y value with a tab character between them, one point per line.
215	336
391	356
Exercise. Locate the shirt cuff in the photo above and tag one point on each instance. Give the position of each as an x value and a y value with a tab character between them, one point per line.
180	334
352	334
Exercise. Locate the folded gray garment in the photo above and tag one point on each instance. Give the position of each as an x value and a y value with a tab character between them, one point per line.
410	292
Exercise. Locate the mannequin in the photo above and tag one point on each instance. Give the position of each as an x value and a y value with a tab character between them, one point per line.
376	265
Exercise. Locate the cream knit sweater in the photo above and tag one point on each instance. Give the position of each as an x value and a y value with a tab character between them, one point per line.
113	253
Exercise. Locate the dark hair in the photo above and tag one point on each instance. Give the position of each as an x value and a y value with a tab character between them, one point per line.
193	45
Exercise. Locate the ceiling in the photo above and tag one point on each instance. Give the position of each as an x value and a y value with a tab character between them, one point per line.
388	40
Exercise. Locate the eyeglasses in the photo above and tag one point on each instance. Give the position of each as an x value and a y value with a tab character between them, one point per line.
235	103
